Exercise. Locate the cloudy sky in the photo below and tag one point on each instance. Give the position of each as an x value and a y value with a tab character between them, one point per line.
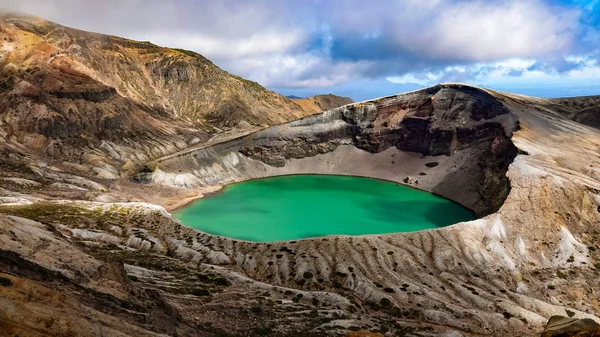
364	49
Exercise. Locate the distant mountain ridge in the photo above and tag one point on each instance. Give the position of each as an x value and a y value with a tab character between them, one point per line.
171	82
320	103
85	98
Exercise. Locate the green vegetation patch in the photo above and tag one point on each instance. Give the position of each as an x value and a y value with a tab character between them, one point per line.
70	214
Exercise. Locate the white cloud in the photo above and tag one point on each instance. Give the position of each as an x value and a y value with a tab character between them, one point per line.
422	79
213	47
405	41
501	74
474	30
295	70
495	30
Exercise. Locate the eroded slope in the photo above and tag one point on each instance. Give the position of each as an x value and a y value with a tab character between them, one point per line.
81	109
532	255
319	103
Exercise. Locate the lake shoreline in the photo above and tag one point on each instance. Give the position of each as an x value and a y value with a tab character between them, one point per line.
295	207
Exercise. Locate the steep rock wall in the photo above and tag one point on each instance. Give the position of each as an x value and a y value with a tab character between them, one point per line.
449	139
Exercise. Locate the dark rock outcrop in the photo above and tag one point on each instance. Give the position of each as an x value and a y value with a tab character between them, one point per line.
436	121
441	120
560	326
462	122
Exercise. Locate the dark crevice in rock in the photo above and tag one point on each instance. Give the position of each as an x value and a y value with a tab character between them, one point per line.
93	96
143	176
522	152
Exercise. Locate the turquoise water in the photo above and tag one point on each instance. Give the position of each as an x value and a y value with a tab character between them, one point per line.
304	206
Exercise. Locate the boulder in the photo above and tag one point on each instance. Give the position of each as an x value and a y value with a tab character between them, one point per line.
560	326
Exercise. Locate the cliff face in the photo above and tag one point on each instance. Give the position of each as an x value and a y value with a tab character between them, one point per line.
455	135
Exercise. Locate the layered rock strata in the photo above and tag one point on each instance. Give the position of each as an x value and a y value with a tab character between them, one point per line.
449	140
528	169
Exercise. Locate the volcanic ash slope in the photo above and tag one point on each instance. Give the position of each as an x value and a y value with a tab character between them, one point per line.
521	163
526	166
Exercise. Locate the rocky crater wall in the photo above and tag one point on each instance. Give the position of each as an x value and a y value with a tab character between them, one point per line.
505	274
451	140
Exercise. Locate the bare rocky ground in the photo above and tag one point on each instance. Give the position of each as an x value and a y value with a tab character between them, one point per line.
81	104
319	103
80	261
